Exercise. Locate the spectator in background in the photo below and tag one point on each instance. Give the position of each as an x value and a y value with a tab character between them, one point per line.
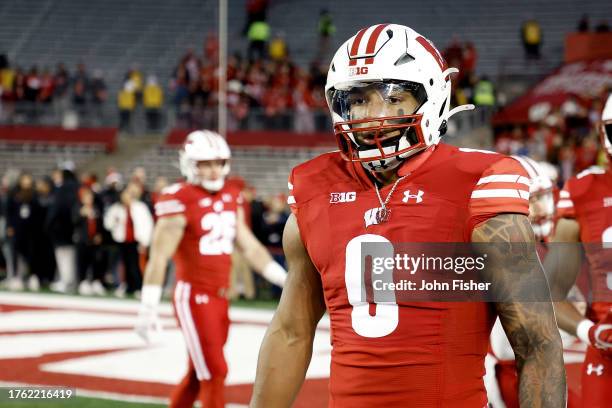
99	95
326	29
47	87
278	48
583	24
131	225
469	59
87	217
19	85
258	36
24	226
274	219
453	53
153	99
7	78
111	190
304	104
134	75
211	47
7	239
80	90
126	102
484	93
256	11
45	257
531	37
602	27
59	225
139	179
61	79
32	85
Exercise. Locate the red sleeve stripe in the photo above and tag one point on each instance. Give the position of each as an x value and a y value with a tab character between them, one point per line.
504	178
291	200
501	193
565	204
495	205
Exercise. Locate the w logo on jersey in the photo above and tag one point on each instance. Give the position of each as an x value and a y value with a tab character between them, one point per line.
376	216
418	197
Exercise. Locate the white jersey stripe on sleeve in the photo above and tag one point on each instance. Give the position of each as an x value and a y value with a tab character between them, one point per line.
291	200
504	178
501	193
289	185
167	207
564	194
565	204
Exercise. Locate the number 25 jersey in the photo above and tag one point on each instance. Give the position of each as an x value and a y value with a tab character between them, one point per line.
203	257
408	354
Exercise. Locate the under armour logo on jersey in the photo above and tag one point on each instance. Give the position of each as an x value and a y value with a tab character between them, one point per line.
598	369
342	197
418	196
199	299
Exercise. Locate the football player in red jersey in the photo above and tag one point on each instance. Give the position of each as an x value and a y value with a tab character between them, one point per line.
198	222
389	90
585	211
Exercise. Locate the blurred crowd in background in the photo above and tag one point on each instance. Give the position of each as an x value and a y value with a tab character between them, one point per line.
70	233
567	137
266	89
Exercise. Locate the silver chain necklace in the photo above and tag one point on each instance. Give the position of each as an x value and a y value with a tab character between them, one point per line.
384	213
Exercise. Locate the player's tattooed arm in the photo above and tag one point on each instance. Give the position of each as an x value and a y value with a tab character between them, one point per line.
287	347
526	312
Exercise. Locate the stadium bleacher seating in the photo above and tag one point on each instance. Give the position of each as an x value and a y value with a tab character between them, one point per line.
112	35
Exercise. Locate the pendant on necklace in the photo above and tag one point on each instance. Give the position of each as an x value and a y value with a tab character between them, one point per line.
383	215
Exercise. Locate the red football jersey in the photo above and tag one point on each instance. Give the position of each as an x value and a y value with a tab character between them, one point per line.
409	354
203	257
587	198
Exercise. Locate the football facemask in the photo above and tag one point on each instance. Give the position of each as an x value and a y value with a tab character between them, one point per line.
375	123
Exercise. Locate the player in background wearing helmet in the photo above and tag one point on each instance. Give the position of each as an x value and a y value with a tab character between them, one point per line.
199	221
388	90
585	215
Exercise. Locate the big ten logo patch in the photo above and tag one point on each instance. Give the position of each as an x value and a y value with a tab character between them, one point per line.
345	197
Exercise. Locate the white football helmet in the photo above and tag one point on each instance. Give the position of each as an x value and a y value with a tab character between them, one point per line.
541	197
606	126
203	145
388	58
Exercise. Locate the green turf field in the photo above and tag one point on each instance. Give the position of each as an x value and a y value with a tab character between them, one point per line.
80	402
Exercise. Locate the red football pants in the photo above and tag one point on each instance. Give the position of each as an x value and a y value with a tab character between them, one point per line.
596	380
204	321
